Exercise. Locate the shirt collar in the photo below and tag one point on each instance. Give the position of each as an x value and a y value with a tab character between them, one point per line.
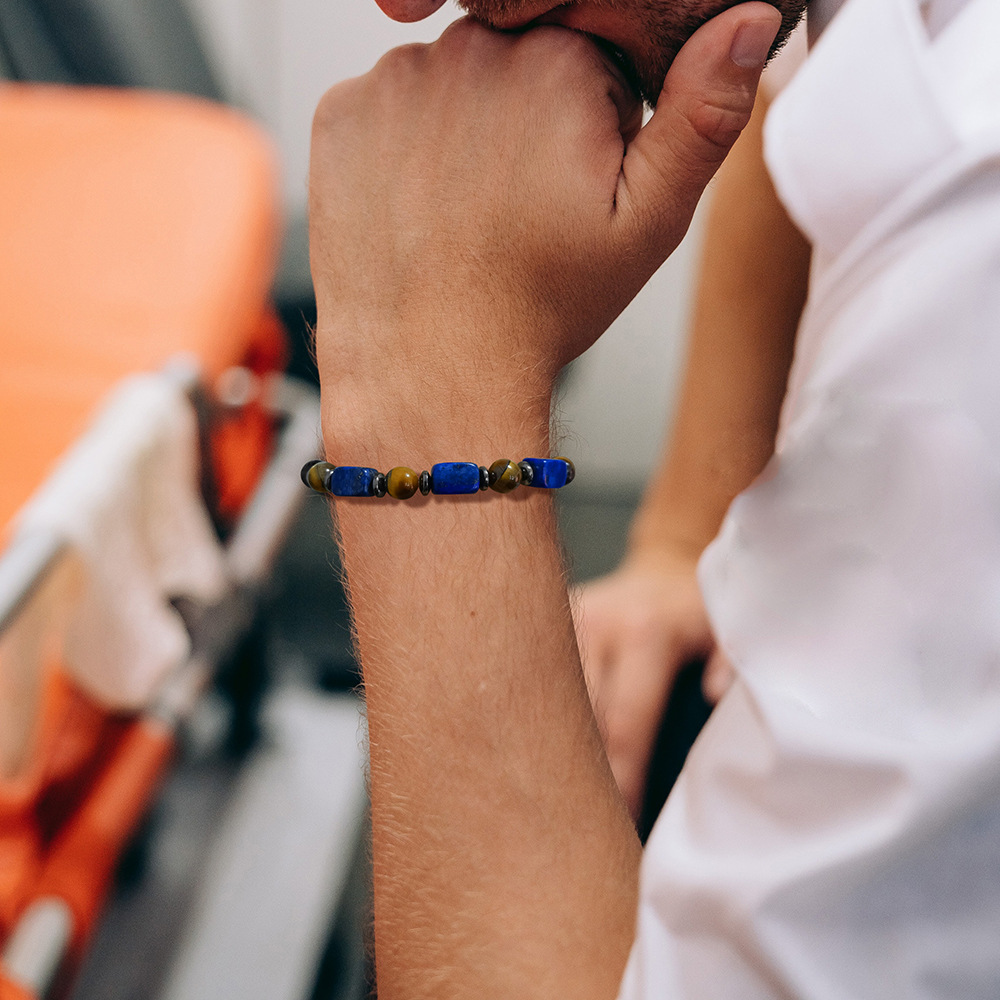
861	119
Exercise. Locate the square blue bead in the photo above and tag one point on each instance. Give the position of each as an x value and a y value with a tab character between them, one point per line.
455	477
550	473
352	481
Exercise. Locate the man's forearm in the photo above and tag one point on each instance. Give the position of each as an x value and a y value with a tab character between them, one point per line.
490	793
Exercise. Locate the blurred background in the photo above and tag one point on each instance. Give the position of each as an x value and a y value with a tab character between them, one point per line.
240	867
274	59
277	57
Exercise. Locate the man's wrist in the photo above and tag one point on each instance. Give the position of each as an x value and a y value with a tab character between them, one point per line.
419	421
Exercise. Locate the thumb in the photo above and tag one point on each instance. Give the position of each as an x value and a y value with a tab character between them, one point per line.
706	101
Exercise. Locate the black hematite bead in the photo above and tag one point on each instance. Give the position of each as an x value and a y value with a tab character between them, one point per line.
570	470
527	473
484	478
379	485
425	482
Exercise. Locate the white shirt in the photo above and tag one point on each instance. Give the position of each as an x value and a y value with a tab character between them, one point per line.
836	831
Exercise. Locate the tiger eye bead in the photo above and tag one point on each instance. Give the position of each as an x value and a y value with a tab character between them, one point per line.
505	475
317	475
402	482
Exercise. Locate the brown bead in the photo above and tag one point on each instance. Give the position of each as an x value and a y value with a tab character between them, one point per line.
401	482
316	477
505	475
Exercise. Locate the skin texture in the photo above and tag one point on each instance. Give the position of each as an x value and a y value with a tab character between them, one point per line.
649	33
480	210
639	625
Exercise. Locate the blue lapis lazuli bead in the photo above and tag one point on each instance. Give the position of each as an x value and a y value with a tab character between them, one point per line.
352	481
549	473
455	477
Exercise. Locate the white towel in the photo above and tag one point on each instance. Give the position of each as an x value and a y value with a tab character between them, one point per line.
126	497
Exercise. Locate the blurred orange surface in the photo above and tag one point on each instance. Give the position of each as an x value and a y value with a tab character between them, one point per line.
133	227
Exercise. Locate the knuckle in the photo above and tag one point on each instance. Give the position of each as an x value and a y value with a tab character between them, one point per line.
719	121
619	742
467	43
332	105
557	49
563	42
463	31
628	722
645	623
400	60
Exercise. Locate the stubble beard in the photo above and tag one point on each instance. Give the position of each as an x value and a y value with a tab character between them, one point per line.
666	24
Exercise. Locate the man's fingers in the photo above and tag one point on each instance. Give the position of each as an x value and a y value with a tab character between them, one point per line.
718	677
706	101
632	720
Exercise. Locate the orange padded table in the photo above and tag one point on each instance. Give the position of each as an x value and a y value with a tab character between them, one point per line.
133	227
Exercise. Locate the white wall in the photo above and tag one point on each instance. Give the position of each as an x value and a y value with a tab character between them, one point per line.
279	56
619	395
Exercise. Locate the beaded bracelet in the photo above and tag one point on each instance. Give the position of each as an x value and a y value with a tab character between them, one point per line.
444	479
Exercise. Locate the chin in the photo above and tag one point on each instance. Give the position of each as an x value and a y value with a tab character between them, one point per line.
642	35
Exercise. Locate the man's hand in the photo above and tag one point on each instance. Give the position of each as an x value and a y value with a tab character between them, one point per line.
483	207
636	628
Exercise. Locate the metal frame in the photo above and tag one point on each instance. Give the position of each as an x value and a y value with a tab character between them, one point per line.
34	952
